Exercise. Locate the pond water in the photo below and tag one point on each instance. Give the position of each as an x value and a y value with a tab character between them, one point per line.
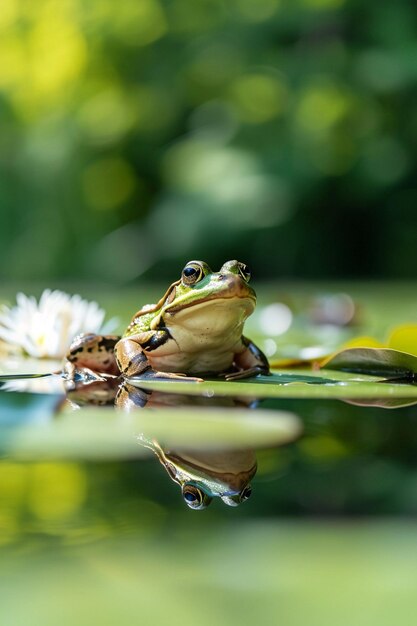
304	490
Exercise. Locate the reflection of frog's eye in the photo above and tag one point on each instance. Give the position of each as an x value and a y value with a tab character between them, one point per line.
195	498
191	274
244	271
246	493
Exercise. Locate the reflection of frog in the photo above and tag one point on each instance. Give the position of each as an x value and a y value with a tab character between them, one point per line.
196	329
204	475
130	398
201	474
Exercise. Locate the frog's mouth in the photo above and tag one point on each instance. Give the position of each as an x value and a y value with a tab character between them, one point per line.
247	302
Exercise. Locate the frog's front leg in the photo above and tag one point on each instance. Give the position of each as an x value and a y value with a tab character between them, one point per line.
250	362
131	356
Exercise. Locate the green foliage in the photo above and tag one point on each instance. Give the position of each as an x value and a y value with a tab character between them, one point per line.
136	135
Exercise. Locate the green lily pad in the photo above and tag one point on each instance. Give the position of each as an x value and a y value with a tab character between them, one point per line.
340	386
375	361
100	433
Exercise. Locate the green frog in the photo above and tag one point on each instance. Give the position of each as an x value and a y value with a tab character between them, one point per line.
196	329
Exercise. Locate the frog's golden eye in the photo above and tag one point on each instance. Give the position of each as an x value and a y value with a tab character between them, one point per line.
195	498
244	271
192	273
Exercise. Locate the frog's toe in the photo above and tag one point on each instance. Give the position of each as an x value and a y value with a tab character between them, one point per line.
153	375
242	374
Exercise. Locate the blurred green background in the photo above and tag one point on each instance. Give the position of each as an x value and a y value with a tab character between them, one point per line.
139	134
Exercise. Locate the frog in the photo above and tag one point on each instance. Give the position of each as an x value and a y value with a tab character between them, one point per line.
195	330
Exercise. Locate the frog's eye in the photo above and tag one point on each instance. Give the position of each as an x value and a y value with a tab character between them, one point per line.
246	493
238	498
195	498
244	271
192	273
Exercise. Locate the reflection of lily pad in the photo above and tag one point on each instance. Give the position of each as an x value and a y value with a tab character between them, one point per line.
375	361
108	433
384	403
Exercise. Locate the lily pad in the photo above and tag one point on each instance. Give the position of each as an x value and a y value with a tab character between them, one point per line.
340	386
384	403
100	433
375	361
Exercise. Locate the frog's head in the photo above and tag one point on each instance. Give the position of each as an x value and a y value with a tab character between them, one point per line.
210	300
198	497
203	476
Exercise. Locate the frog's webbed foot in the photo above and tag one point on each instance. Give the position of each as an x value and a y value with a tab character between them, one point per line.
151	374
249	373
250	362
74	376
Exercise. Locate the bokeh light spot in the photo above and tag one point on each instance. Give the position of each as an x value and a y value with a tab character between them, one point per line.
57	54
321	107
108	183
13	483
323	4
13	61
275	319
258	11
57	490
108	115
135	22
258	97
385	160
8	14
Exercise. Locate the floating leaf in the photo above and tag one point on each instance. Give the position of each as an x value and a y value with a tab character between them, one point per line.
340	386
384	403
97	433
375	361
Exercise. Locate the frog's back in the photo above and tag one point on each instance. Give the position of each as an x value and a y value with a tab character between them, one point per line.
141	321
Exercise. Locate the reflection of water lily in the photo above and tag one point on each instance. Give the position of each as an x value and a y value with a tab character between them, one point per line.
46	328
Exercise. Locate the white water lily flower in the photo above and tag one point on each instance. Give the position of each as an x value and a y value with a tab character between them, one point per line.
46	328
